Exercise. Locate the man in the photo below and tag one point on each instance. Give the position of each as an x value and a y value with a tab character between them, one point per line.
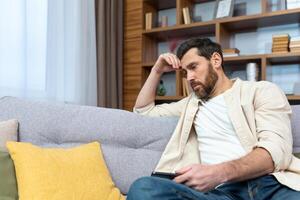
233	139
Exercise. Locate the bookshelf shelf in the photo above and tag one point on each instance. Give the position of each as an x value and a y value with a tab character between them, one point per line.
274	18
283	58
183	30
243	58
293	97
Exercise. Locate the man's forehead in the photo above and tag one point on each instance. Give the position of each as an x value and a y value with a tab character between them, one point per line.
191	56
189	53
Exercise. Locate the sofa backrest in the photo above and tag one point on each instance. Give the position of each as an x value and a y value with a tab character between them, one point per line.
131	144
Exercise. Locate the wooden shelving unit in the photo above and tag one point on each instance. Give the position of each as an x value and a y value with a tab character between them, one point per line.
221	30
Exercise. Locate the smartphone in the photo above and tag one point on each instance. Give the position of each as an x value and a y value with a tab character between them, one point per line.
166	175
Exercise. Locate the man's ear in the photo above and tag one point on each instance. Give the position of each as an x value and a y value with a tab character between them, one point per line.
216	60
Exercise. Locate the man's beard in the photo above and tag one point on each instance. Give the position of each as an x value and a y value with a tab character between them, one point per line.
205	90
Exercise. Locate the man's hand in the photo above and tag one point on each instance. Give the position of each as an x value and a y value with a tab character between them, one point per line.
201	177
166	62
206	177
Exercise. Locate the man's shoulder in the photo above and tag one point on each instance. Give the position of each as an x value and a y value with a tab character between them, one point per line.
250	91
257	85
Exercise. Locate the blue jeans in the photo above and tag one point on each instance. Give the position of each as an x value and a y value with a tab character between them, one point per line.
262	188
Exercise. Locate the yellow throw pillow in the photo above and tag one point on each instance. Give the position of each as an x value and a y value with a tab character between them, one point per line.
61	174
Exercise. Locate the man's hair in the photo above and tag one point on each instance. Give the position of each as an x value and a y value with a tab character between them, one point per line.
205	47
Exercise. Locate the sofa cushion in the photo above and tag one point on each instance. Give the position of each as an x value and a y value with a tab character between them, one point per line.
74	173
131	144
8	132
8	183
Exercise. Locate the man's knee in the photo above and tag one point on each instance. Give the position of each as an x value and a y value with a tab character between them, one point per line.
141	188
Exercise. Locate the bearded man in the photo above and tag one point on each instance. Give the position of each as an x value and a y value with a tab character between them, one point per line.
233	139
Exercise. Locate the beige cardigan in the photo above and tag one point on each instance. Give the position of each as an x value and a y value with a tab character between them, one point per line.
260	114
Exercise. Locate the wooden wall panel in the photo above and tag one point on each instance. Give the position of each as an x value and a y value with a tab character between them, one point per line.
132	52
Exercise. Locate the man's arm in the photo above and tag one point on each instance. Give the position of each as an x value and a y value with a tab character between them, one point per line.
257	163
207	177
165	63
145	102
148	91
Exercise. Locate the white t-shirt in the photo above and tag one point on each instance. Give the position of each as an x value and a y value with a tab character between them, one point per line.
217	139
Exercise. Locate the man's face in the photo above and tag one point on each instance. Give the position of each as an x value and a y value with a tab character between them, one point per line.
200	73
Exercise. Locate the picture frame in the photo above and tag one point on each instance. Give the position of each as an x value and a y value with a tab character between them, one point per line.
224	8
292	4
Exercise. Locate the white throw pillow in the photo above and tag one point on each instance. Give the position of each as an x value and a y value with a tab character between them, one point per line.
8	132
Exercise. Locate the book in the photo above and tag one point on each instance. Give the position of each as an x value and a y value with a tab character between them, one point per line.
149	21
294	45
164	21
275	46
280	38
282	42
285	35
186	15
280	49
295	48
279	52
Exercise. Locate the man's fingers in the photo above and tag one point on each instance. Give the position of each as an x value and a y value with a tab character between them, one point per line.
183	170
171	57
172	60
181	178
176	60
168	60
190	183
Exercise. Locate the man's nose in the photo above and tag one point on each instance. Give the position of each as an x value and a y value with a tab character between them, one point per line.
189	76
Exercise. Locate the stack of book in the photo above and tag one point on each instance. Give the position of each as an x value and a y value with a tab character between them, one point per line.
186	90
280	43
231	52
295	44
186	15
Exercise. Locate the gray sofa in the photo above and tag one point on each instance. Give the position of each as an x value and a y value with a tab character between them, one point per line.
131	144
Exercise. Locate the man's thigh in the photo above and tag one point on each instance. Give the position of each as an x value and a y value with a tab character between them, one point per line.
268	188
286	193
149	188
